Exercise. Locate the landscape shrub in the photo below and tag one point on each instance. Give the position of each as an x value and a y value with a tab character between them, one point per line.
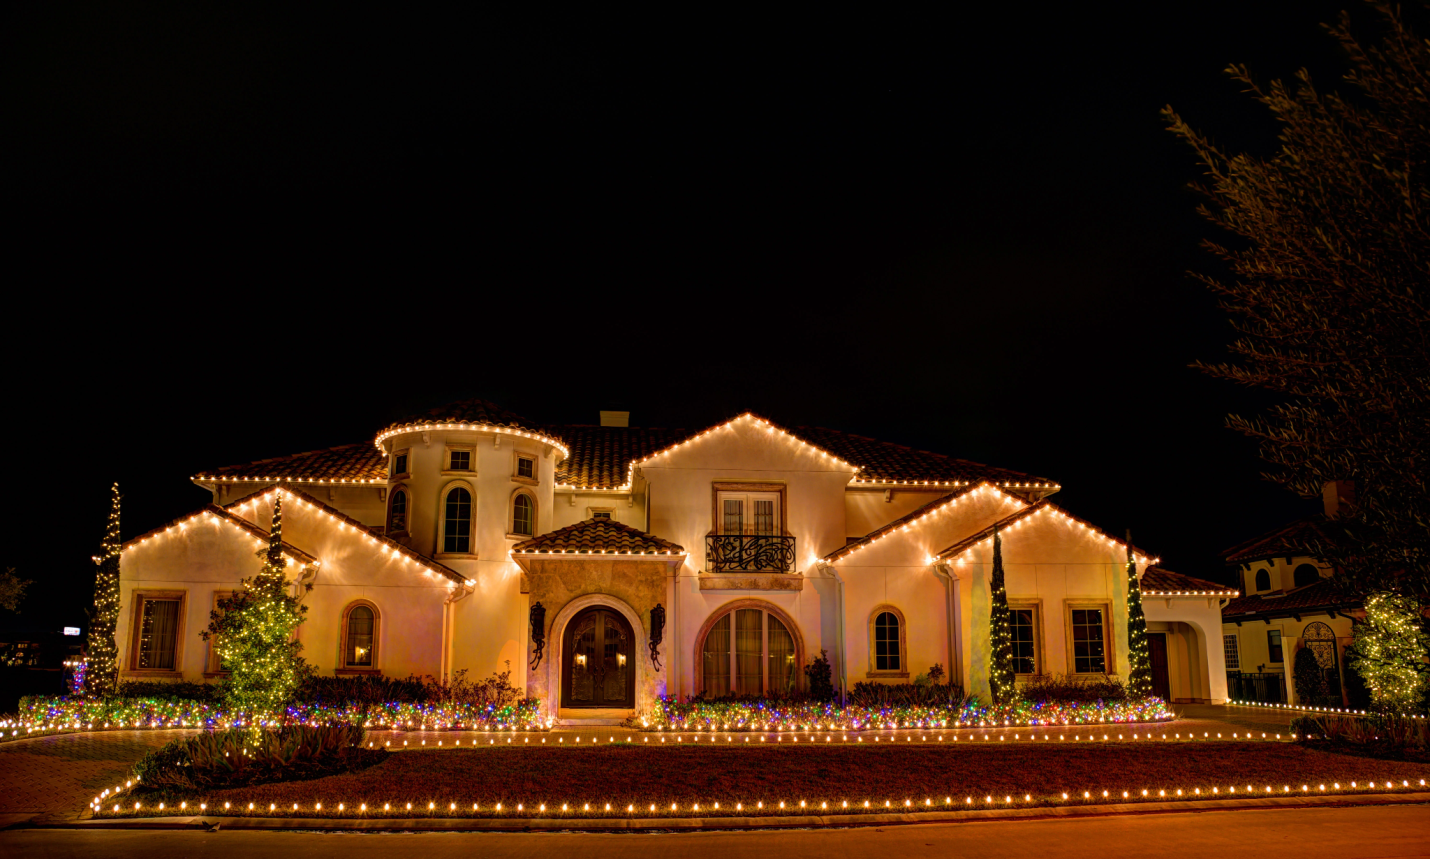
869	694
821	683
170	689
1397	737
237	757
1061	687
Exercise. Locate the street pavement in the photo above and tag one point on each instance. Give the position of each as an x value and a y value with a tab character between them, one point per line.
1309	833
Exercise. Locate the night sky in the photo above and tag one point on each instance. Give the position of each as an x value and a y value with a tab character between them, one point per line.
236	236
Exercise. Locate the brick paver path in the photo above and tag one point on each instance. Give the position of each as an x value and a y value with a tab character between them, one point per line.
51	779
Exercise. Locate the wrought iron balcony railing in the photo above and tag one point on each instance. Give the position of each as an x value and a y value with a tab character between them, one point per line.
765	553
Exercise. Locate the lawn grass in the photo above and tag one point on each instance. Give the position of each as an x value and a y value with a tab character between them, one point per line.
639	775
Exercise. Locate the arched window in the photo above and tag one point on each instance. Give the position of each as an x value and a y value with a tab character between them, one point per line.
457	522
397	512
1263	580
749	651
1306	574
360	638
523	515
888	650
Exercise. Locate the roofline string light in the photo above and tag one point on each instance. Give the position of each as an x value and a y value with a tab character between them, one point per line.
463	426
323	481
899	527
241	524
958	551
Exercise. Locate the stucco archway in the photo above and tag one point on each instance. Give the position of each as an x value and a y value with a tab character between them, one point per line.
646	678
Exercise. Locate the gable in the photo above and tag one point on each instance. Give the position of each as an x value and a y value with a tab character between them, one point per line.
914	539
747	443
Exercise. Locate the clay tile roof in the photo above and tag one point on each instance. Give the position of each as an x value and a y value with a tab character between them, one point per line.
1317	596
350	463
601	456
1289	540
1157	580
599	536
881	461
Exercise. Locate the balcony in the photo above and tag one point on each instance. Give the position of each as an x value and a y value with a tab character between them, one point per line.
749	553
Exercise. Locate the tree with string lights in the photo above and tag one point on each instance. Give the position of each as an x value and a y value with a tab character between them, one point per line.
1000	632
253	633
1389	653
102	669
1139	674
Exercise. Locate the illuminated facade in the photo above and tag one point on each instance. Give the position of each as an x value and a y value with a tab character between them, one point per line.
606	565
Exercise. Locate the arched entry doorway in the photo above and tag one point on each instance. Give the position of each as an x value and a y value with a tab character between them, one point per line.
598	661
1321	641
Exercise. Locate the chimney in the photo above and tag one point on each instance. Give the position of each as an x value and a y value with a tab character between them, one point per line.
1338	496
615	419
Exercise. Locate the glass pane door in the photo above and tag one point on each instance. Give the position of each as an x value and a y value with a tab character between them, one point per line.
732	514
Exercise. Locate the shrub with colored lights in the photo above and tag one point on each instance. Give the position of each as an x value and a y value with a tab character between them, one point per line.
736	714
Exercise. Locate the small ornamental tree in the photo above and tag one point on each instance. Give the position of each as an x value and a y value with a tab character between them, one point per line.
1389	653
102	671
1000	632
253	634
1139	673
1308	678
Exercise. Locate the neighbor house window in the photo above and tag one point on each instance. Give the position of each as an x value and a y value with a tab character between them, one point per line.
397	512
461	460
1263	581
457	522
523	515
1023	626
156	646
1273	645
1306	574
888	642
362	627
526	467
1233	654
748	651
1089	641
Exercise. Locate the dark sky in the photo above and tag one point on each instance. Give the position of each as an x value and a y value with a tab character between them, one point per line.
236	236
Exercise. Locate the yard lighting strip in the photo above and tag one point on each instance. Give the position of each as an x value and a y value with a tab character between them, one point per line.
844	738
758	808
1327	711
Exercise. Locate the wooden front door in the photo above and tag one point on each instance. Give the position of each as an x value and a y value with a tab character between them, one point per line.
1157	655
598	661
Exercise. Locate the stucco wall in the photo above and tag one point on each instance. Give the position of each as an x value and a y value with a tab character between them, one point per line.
1253	645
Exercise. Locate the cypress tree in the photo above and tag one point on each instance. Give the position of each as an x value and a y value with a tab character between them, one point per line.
1000	632
102	671
254	638
1139	674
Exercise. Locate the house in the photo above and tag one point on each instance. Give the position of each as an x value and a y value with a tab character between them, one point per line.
605	565
1289	604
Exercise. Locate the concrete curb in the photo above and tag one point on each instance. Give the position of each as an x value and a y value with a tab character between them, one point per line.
550	824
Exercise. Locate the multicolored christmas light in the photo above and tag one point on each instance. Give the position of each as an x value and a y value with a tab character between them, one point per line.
102	672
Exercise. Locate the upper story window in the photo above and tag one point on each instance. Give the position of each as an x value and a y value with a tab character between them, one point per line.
523	515
750	513
399	464
459	459
526	467
397	512
748	529
1263	580
457	521
1306	574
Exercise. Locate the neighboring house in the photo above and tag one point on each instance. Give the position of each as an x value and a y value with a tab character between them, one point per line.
1289	604
657	562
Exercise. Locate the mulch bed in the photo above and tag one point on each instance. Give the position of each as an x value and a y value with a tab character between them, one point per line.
642	775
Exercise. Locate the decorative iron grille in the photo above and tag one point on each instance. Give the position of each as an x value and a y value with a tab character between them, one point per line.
1264	688
765	553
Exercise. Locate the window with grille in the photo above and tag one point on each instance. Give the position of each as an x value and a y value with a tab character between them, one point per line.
1089	642
886	643
523	515
399	464
397	512
362	629
749	651
526	467
1233	655
461	460
457	522
1024	629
